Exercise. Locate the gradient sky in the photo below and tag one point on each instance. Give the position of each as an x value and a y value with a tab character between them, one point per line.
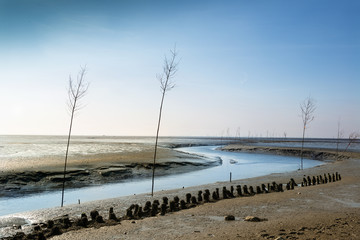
244	65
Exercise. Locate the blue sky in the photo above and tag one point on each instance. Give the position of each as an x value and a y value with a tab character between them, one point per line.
243	65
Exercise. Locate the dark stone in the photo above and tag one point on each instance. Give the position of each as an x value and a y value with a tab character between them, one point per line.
207	191
172	206
215	196
82	222
140	212
238	190
305	181
154	209
200	196
309	180
225	193
229	218
251	189
55	231
94	214
193	200
314	180
112	215
136	211
19	235
292	183
99	219
232	191
206	197
263	188
147	207
188	197
183	204
37	228
280	186
66	222
50	224
129	213
246	191
41	236
163	208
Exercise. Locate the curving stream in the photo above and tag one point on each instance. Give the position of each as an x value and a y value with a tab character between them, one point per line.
241	166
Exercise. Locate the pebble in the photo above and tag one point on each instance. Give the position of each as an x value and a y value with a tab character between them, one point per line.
229	218
252	219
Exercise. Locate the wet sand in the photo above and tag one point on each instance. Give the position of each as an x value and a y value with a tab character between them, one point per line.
325	211
86	170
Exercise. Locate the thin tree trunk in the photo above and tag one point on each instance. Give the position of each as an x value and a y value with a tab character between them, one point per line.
156	143
66	155
302	147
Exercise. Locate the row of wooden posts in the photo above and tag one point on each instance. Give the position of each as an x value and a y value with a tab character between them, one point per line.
136	211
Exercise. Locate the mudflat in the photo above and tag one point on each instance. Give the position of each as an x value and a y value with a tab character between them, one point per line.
324	211
320	211
39	174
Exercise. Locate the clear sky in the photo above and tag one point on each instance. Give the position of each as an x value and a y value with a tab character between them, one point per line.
244	65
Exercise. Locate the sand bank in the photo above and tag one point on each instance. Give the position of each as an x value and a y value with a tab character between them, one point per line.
97	169
325	211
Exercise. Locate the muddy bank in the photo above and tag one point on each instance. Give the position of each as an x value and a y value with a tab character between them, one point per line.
309	153
20	182
321	211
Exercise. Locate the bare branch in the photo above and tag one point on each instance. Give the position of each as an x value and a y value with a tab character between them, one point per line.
308	108
353	137
170	68
76	91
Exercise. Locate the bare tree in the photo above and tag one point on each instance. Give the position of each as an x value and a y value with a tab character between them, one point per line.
353	137
285	134
76	91
238	133
307	114
170	67
339	136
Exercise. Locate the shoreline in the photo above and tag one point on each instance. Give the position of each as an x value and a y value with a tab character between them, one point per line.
116	168
100	169
347	167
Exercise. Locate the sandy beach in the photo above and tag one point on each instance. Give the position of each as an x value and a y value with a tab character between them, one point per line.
323	211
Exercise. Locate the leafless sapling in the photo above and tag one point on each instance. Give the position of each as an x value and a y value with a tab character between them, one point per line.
170	68
308	108
339	136
76	91
353	137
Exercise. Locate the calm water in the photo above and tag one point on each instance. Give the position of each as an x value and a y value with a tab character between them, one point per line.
241	165
19	149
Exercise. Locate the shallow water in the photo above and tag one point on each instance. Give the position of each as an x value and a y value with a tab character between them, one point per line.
240	165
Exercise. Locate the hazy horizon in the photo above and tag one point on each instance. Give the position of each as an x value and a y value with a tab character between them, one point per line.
244	67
